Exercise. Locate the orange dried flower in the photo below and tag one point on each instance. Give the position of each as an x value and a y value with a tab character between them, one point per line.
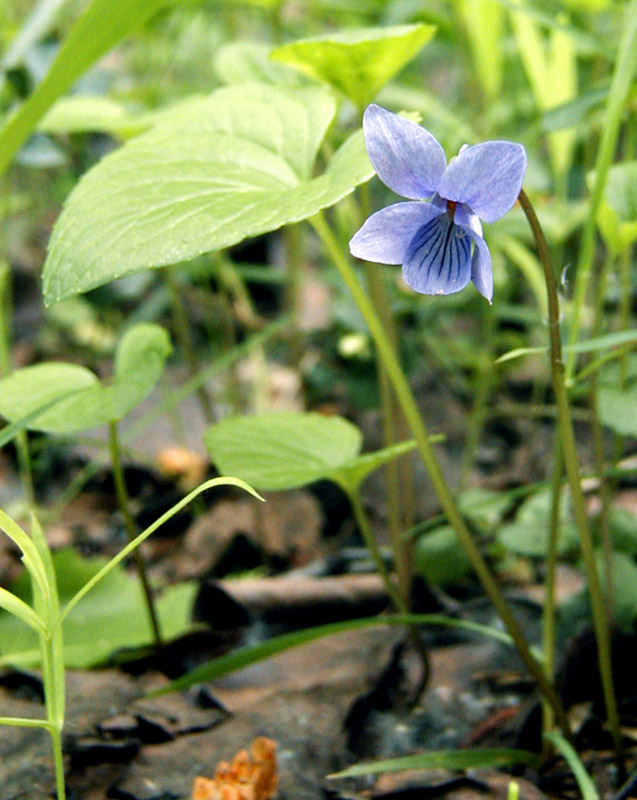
249	776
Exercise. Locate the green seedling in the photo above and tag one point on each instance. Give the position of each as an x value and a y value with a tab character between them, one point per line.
80	402
45	616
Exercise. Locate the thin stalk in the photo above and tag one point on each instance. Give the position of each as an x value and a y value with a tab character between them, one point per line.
400	547
604	490
397	598
621	85
483	383
548	611
294	254
182	329
571	463
22	440
605	498
129	525
419	430
399	474
53	704
624	313
370	542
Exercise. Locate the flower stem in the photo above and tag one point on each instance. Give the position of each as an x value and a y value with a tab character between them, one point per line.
548	611
619	93
398	473
129	525
370	542
571	464
400	547
22	439
400	603
419	430
182	328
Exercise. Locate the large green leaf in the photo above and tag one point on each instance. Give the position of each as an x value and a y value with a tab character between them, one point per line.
235	165
282	451
111	617
357	62
139	362
101	27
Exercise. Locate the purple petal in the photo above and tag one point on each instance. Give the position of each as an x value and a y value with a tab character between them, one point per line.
438	260
386	235
406	157
487	177
481	268
464	216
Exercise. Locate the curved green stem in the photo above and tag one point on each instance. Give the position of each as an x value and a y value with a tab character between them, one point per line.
571	464
419	430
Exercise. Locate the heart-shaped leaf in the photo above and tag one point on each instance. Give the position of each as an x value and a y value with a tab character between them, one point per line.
282	451
285	451
357	62
237	164
139	362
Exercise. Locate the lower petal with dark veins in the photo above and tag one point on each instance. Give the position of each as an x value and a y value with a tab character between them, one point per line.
438	259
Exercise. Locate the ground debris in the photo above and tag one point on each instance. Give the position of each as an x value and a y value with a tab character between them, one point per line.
249	776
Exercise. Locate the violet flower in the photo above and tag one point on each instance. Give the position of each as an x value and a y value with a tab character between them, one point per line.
433	240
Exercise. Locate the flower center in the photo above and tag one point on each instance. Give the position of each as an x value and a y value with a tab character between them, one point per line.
451	208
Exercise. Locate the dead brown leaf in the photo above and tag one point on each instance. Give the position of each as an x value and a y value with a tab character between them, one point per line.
249	776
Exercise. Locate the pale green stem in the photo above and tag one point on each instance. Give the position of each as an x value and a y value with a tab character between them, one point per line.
419	430
182	329
571	463
598	447
548	611
129	526
294	255
398	473
54	715
22	440
370	542
397	598
400	546
620	89
483	383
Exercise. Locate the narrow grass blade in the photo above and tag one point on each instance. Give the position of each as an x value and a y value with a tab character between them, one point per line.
584	781
21	610
446	759
606	342
22	722
151	529
250	655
